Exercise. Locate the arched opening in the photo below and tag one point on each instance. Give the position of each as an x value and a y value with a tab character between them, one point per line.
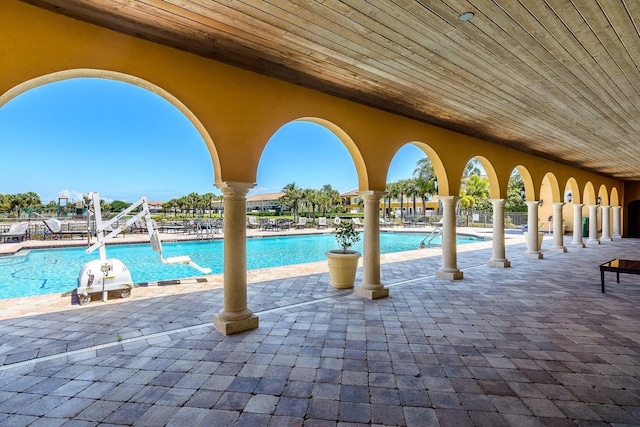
86	133
412	186
77	132
515	206
570	196
305	171
477	185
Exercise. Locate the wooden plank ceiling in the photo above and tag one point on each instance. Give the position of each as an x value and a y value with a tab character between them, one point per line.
557	78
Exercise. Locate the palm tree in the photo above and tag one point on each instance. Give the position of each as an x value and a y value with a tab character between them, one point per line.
473	168
424	187
193	202
291	198
183	203
403	189
306	200
475	192
393	191
424	169
332	195
413	192
167	206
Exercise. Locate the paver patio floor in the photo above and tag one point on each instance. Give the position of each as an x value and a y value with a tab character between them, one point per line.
536	344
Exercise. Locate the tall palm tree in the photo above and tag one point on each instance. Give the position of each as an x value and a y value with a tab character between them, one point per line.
473	168
393	190
403	189
424	169
291	198
333	195
413	192
424	187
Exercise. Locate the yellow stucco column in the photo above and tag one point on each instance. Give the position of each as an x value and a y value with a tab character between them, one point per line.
498	255
577	225
593	225
606	236
371	287
533	250
235	316
616	222
449	269
558	229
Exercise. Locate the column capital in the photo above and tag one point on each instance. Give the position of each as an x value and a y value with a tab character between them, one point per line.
558	204
235	188
371	195
448	200
498	202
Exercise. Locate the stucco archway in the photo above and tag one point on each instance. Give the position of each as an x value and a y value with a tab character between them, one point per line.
125	78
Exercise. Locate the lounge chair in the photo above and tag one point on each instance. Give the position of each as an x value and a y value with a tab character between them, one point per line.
385	223
17	230
322	222
302	222
357	222
252	222
54	229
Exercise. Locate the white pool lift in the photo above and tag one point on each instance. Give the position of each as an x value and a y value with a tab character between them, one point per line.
110	274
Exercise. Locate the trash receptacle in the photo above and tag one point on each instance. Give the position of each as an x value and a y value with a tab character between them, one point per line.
585	227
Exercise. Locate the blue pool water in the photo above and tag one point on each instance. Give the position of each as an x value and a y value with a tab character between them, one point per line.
56	270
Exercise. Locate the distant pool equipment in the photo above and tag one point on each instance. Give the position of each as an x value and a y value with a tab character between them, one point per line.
110	274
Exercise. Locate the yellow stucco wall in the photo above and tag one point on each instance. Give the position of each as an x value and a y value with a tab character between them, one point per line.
237	111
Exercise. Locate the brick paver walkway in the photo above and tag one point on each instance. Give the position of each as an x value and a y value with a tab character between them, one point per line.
537	344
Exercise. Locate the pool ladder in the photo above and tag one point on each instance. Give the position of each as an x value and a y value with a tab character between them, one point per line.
427	240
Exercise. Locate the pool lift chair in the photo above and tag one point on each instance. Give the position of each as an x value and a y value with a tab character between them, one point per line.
110	274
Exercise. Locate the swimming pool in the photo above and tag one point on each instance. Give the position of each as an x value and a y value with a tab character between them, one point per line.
39	272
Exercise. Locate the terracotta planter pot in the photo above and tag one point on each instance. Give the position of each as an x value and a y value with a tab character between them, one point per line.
342	268
540	237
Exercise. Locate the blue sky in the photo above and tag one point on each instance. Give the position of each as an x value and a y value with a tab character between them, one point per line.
80	135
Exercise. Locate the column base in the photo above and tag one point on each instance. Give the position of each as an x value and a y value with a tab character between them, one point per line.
558	248
230	327
616	236
502	263
371	291
578	244
606	240
533	255
593	241
449	274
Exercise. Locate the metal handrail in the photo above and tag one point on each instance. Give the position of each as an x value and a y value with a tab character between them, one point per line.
434	233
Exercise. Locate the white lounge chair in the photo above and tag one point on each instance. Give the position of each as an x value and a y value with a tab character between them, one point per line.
302	222
385	223
17	230
322	222
357	222
252	222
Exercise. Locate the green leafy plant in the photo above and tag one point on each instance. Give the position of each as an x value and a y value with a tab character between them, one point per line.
346	235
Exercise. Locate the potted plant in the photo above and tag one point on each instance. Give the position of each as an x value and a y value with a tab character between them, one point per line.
343	262
540	235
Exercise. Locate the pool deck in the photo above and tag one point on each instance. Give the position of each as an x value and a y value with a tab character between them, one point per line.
536	344
48	303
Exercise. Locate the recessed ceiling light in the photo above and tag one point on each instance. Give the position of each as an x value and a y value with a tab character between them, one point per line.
466	16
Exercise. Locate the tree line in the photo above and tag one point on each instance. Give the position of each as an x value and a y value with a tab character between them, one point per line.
474	196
